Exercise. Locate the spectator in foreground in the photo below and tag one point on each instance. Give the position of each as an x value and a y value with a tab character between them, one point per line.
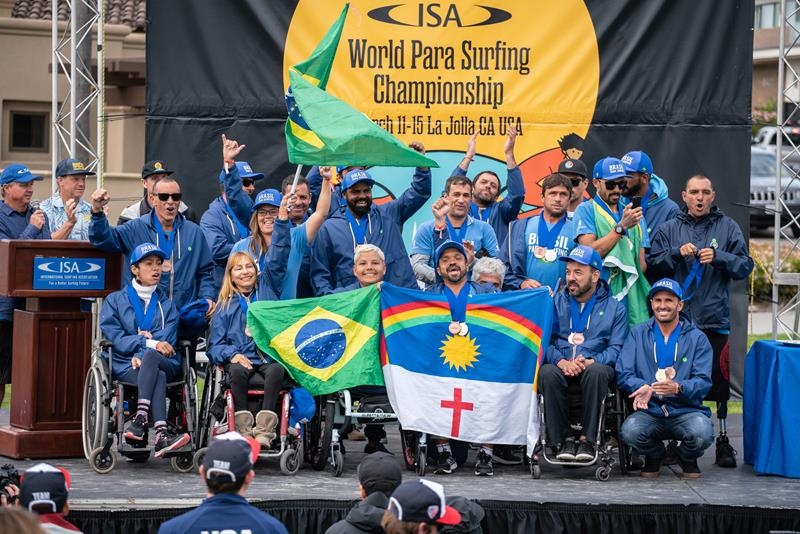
418	506
45	490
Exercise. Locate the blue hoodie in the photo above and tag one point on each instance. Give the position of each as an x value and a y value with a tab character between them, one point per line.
605	332
707	305
118	324
637	366
332	253
223	512
659	209
506	210
192	269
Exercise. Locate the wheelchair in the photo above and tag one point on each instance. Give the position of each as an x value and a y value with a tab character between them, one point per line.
612	414
338	412
217	417
109	404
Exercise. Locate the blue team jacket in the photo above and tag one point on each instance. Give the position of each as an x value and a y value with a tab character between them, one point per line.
223	513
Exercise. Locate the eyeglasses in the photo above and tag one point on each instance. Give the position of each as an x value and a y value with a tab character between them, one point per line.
576	181
247	182
163	197
615	185
266	214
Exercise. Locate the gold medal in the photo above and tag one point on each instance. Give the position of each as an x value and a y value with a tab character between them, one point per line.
661	375
166	267
454	327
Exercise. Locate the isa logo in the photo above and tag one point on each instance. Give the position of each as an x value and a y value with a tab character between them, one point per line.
69	273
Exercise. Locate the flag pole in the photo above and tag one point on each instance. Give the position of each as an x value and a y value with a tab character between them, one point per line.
296	178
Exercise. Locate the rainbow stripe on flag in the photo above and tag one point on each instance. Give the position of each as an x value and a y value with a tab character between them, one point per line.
480	387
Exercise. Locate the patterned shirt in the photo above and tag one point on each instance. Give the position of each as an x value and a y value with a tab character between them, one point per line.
53	207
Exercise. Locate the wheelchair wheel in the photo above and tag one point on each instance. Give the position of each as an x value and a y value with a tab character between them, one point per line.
536	471
183	463
338	463
291	460
409	442
421	459
102	461
94	420
603	473
319	442
197	460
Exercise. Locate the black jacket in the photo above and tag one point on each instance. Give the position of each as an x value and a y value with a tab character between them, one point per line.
364	518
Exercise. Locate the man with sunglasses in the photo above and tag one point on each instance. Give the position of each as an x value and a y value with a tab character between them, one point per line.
486	188
657	207
575	170
220	224
151	172
188	269
534	245
619	235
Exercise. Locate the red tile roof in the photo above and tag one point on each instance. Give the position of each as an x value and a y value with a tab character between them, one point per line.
128	12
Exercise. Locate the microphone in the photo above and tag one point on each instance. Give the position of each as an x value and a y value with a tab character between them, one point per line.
34	205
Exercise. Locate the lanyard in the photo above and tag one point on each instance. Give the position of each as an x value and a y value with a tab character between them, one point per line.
144	319
547	237
240	228
482	214
579	319
664	348
358	228
167	242
456	235
458	303
695	275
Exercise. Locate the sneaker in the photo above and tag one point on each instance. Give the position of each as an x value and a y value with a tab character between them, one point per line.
136	430
672	457
690	469
585	452
652	467
446	464
503	454
356	435
636	461
374	446
726	454
167	441
567	451
483	467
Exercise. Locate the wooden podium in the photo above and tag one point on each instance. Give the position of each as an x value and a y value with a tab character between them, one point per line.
52	340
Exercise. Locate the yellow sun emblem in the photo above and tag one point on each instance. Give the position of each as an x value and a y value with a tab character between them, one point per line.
459	352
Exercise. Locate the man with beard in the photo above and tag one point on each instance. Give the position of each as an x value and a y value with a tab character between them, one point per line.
665	367
704	249
454	223
534	245
589	329
485	206
619	236
360	222
67	212
657	207
18	220
187	270
451	265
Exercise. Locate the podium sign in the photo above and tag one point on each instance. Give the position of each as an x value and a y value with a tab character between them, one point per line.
52	340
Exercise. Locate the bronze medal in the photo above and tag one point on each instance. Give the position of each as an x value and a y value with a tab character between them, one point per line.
454	327
539	252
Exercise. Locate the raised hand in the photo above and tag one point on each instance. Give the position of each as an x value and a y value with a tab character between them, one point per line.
230	149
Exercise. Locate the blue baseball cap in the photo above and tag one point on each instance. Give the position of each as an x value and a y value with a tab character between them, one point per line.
609	169
244	170
447	245
72	167
666	284
192	316
585	255
144	250
268	197
16	172
354	177
637	161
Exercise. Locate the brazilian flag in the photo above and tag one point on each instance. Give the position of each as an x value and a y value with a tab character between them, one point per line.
327	343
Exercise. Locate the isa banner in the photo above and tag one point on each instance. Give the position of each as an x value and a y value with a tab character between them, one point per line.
479	387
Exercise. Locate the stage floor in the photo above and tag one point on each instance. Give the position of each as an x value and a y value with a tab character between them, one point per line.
155	485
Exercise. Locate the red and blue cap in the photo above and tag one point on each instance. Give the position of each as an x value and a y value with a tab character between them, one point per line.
422	501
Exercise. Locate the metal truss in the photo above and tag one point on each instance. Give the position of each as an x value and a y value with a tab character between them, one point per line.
786	244
85	87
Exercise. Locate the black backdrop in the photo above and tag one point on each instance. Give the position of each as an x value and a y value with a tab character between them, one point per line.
675	76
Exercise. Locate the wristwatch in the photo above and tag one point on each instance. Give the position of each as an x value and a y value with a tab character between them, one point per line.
619	229
680	388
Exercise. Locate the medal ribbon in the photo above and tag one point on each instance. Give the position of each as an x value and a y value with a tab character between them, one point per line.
242	229
695	275
357	227
458	303
456	235
163	239
579	319
665	351
144	319
547	237
482	214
